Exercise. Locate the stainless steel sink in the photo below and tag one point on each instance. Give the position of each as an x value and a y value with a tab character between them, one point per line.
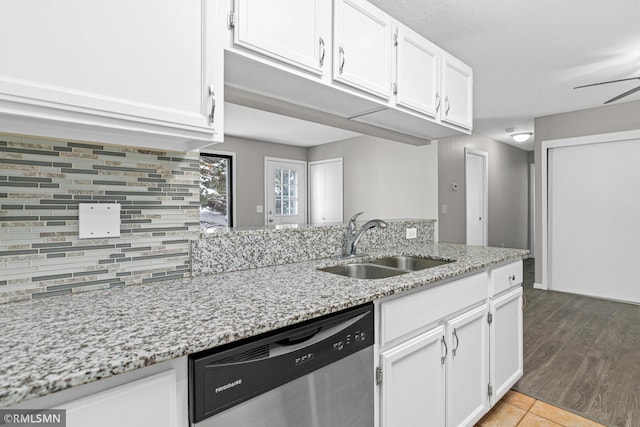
411	263
363	271
385	267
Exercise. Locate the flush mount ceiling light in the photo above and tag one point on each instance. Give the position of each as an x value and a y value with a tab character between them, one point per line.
521	136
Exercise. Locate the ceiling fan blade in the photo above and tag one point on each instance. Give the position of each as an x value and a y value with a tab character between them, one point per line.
622	95
606	83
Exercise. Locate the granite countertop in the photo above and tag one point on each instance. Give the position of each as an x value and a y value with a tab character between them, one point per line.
55	343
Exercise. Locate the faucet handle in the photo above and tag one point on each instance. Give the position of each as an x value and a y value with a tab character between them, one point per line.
352	222
353	218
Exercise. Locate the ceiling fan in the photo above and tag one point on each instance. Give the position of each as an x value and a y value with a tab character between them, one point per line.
622	95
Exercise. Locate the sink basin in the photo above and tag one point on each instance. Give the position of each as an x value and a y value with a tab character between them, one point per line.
410	263
363	271
385	267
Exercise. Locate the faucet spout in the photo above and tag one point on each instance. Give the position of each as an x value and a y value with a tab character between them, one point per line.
354	234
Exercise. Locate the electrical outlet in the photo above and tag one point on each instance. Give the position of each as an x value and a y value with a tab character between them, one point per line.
412	233
259	209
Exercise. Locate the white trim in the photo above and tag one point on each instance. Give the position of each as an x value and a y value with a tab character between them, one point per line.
485	155
234	170
558	143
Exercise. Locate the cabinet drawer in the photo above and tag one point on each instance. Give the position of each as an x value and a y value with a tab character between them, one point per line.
406	314
502	278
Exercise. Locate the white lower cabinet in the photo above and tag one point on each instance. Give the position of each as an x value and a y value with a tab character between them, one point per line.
447	354
413	383
148	402
467	367
505	332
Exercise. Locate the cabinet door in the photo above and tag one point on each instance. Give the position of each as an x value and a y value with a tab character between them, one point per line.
505	342
457	92
362	47
417	73
287	30
147	402
413	385
325	191
138	63
467	367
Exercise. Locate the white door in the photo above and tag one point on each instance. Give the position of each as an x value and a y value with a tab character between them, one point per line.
593	219
476	188
505	343
325	191
467	367
286	188
413	384
457	88
292	31
362	47
417	73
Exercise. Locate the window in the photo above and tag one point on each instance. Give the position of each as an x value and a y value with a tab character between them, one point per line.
216	200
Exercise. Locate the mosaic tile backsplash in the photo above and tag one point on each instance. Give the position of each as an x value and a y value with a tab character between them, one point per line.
41	183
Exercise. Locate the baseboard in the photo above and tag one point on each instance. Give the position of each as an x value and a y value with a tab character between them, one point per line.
540	286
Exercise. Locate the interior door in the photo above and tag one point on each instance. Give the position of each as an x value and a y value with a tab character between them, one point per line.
593	219
325	191
476	184
286	191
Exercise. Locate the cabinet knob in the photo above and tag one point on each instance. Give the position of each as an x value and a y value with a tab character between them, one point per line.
512	277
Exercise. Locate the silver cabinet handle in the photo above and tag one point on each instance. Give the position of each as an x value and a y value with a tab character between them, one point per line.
446	351
323	51
455	335
437	101
342	59
395	88
212	95
447	106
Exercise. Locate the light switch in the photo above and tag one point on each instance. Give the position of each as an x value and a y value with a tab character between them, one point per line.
98	220
444	209
259	209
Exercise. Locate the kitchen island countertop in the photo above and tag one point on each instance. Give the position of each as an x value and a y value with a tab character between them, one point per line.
52	344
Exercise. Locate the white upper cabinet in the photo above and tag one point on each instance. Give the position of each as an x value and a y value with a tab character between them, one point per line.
138	72
457	92
269	28
362	47
417	72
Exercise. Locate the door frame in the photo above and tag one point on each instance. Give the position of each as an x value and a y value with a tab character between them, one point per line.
547	145
485	191
302	203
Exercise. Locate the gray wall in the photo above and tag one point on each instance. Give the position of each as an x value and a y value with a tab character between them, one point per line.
249	174
386	179
594	121
508	190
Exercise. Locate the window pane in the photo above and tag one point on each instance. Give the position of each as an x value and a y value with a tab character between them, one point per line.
215	191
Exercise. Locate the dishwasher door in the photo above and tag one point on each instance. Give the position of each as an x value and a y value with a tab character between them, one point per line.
319	373
338	395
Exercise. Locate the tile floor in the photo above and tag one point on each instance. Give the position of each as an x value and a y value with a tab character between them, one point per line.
517	409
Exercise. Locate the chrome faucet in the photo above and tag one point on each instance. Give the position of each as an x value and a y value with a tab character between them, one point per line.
354	234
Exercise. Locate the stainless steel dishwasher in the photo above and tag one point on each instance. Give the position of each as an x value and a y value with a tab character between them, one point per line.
316	374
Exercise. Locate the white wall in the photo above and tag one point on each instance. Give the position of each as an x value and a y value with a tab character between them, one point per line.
386	179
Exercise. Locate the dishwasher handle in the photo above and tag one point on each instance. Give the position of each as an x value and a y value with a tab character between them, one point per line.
278	349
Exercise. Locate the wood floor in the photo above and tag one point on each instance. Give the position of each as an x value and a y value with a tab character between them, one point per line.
583	354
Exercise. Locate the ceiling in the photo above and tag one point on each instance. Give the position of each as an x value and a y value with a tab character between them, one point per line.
526	55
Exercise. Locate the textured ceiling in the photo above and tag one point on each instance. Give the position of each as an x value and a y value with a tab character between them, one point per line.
527	55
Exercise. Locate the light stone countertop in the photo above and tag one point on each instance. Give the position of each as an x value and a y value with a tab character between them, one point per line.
52	344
